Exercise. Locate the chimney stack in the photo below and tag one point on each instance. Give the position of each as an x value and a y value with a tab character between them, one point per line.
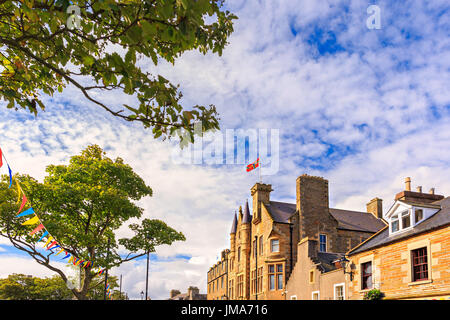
408	184
419	189
432	191
375	207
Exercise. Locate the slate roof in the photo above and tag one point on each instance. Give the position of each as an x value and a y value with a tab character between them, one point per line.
281	211
349	220
234	225
439	219
247	217
326	260
357	221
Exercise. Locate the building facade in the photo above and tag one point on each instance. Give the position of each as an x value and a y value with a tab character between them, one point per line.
264	243
410	257
193	293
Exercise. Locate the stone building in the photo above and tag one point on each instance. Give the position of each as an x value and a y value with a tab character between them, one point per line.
410	257
193	293
264	243
218	278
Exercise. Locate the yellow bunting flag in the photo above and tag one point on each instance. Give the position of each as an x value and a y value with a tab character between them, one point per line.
31	221
48	241
70	260
60	251
19	191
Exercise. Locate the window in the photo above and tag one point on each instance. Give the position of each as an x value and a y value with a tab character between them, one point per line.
275	277
239	254
394	223
254	281
406	219
230	289
261	246
271	277
419	264
279	276
315	295
418	215
240	286
222	283
254	248
366	275
311	276
339	291
323	243
275	245
260	279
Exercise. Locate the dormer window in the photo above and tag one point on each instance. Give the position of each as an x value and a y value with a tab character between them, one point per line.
404	216
406	219
395	224
418	215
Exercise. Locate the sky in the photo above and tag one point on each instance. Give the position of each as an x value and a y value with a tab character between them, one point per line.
363	108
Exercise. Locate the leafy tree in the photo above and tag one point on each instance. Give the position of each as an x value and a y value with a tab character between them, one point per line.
24	287
46	45
81	205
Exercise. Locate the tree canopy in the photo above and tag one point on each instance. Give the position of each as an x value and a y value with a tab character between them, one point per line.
82	204
95	46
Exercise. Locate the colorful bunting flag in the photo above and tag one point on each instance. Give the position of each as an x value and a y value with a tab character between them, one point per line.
10	176
24	200
1	158
42	237
31	221
26	212
48	241
38	228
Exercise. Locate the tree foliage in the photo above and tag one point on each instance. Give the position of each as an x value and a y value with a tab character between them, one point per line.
27	287
45	46
81	205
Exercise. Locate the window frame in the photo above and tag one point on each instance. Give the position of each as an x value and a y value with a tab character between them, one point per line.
363	275
325	243
315	292
420	265
272	246
338	285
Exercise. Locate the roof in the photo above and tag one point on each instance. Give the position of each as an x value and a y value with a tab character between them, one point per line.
234	225
356	220
439	219
326	260
281	211
247	218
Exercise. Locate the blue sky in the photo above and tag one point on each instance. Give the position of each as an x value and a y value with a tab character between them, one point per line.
362	108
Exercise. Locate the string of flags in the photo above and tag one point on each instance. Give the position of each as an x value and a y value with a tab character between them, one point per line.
51	243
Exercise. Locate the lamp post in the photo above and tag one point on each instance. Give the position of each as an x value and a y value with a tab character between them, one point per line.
146	280
142	295
344	261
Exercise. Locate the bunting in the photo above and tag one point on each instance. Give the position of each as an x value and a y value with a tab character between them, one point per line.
51	243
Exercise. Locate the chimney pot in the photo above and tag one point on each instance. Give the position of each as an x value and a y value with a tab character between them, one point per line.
432	191
419	189
408	184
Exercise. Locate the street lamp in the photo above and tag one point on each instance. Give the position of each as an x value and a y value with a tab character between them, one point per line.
344	261
142	295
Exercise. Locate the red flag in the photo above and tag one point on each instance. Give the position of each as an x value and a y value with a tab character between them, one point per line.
38	228
253	165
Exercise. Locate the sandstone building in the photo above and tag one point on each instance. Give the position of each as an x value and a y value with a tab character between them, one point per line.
264	243
193	293
410	257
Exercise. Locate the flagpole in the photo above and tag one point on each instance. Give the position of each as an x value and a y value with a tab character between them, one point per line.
260	165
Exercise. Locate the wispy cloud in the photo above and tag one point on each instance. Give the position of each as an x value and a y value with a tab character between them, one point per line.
363	108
